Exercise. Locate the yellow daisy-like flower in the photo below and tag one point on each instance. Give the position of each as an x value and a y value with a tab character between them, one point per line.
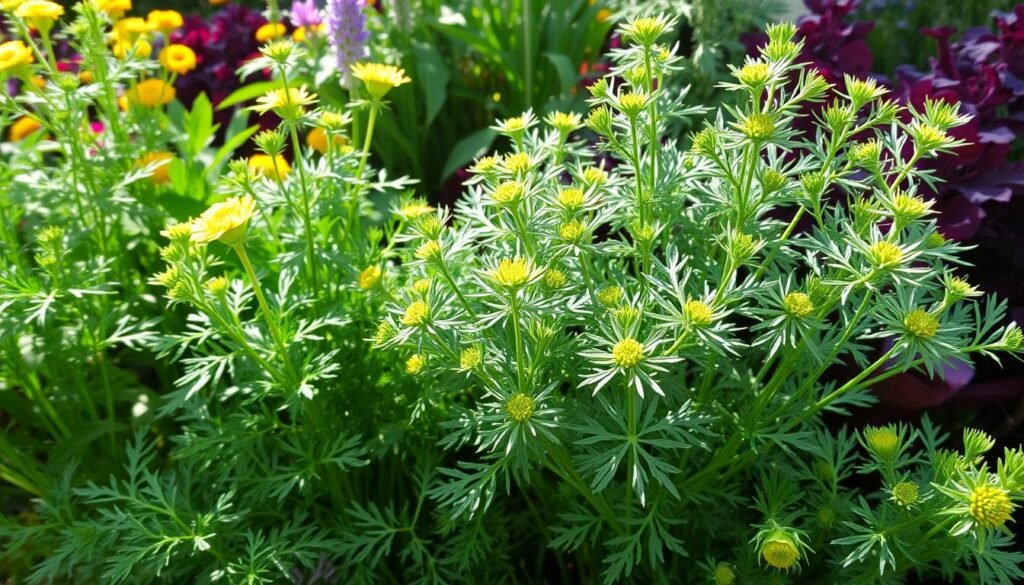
990	506
165	21
151	93
114	8
921	324
130	29
140	49
225	221
378	78
274	167
698	313
178	59
161	174
799	304
14	54
627	353
416	313
370	277
40	14
288	103
22	127
317	140
270	31
512	272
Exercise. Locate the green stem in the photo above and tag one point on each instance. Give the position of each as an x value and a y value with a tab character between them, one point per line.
520	369
307	222
451	282
268	316
353	218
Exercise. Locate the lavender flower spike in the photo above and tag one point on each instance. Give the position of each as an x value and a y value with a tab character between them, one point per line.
346	28
304	13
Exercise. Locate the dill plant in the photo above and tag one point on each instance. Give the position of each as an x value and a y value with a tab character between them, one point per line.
661	336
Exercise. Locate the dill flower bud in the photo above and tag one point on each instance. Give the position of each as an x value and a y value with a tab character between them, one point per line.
225	221
627	353
417	313
420	287
370	277
866	154
379	79
469	358
610	296
905	493
908	208
799	304
564	123
429	250
572	231
384	333
415	364
518	163
698	313
571	198
218	286
754	74
990	506
724	575
705	141
883	441
885	254
632	103
928	137
779	551
512	272
1013	338
594	176
600	120
921	324
554	279
958	288
508	192
520	406
758	127
626	315
772	180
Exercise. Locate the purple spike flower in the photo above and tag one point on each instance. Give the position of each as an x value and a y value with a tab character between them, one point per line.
346	27
305	13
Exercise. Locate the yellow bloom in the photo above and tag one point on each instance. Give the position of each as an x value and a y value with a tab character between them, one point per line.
781	554
270	31
130	29
161	174
165	21
225	221
414	365
990	506
416	314
370	277
906	493
508	192
178	59
921	324
627	353
140	49
610	296
884	441
115	8
520	407
758	126
317	140
151	93
512	272
302	33
41	14
798	304
22	127
469	358
698	313
571	198
274	167
378	78
519	162
429	250
14	54
754	74
885	253
288	103
414	209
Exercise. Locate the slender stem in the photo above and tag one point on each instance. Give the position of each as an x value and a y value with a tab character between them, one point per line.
451	282
353	218
307	222
275	332
520	369
631	438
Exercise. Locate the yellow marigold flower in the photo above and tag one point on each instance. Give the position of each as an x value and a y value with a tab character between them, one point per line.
378	78
287	103
921	324
140	49
114	8
905	493
799	304
520	406
518	163
317	140
754	74
275	167
724	575
512	272
14	54
164	21
627	353
414	365
990	506
22	127
161	174
698	313
130	29
610	296
885	254
270	31
178	59
416	314
429	250
780	553
884	441
469	358
554	279
370	277
571	198
225	221
508	192
151	93
758	127
41	14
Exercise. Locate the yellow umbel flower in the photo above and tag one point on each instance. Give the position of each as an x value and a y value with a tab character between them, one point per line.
370	277
414	365
520	406
275	167
289	103
571	198
178	59
14	54
758	127
161	174
884	441
225	221
140	49
151	93
610	296
22	127
379	79
921	324
164	21
905	493
40	14
698	313
990	506
799	304
512	272
627	353
416	313
780	553
270	31
469	358
885	254
724	575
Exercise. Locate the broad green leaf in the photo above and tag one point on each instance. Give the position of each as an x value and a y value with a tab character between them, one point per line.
433	77
467	149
